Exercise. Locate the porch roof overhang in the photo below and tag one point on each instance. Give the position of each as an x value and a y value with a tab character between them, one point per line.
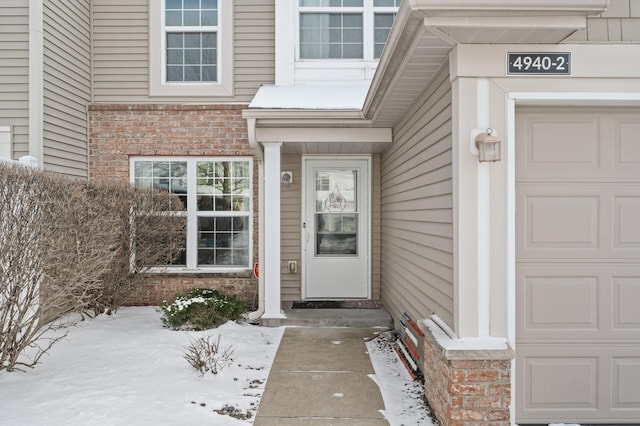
419	44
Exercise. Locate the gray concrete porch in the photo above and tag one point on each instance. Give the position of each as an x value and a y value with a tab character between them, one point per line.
356	318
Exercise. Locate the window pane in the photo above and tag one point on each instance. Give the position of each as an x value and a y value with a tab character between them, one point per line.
192	40
331	3
209	18
192	4
173	18
209	40
192	73
192	56
209	73
209	4
173	4
351	36
241	169
352	21
352	51
382	27
174	57
143	169
191	19
175	73
386	3
208	56
175	40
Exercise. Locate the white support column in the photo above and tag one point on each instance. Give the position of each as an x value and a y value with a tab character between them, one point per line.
484	217
272	230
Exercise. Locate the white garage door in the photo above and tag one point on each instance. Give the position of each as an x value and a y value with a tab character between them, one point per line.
578	265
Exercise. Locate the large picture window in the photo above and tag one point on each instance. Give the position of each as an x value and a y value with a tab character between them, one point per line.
217	195
344	29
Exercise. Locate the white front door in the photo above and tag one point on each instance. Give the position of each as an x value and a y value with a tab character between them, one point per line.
336	228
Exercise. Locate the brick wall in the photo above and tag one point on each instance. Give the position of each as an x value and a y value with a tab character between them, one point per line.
118	132
467	387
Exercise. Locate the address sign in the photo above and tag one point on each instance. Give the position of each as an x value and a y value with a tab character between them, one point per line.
538	63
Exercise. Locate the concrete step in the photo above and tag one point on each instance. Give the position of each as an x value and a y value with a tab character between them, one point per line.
357	318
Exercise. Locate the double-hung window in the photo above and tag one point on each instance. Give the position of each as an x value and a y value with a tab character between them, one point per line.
344	29
191	47
191	32
217	195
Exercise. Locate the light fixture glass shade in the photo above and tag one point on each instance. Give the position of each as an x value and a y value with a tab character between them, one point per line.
488	147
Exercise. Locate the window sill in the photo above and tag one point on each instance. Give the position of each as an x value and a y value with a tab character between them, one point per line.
190	90
208	270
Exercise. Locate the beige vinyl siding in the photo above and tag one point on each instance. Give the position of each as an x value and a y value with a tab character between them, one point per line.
121	51
620	23
290	232
67	85
254	47
14	72
417	209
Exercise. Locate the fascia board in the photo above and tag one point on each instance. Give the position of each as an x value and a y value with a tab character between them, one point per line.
471	7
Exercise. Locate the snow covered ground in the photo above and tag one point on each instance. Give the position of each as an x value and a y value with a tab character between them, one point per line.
128	369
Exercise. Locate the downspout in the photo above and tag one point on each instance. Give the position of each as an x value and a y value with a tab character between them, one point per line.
257	152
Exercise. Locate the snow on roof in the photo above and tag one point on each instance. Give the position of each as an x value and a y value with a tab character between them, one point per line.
311	97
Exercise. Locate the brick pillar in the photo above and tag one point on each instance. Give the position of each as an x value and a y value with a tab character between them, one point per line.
467	387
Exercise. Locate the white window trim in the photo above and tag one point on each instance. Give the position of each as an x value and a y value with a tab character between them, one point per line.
192	217
157	54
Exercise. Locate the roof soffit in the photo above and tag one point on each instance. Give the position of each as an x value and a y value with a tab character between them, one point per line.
426	30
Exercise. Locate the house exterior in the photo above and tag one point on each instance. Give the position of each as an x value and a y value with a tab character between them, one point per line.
347	168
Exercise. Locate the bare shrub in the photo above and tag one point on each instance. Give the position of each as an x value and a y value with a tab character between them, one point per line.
204	355
66	246
149	234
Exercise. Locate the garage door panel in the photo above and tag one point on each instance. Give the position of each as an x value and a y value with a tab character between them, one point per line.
625	383
627	148
572	383
577	221
560	144
578	303
567	221
626	303
626	232
584	145
560	382
561	303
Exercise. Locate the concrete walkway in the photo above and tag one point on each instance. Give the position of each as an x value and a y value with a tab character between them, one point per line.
320	377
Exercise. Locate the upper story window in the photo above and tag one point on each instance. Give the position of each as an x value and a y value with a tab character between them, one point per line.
191	31
344	29
191	48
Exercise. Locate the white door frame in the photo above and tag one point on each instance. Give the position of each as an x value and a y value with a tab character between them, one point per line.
368	159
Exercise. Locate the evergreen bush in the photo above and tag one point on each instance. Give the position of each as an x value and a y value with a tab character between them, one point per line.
201	309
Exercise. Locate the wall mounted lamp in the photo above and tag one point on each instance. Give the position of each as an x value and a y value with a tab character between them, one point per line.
487	144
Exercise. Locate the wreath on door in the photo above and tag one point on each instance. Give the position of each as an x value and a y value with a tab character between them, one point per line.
335	202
